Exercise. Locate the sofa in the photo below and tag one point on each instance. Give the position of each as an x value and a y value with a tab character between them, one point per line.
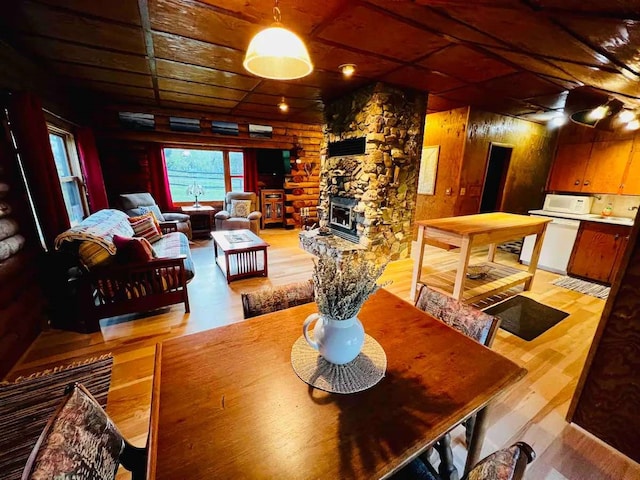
240	213
106	286
134	204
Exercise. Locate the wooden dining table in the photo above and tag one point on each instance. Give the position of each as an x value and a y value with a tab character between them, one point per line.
226	402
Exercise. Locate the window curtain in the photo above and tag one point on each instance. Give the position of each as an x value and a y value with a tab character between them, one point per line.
32	138
158	178
91	169
250	170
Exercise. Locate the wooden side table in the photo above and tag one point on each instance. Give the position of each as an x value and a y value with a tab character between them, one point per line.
201	220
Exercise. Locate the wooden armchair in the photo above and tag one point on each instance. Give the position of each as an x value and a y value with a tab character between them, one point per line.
81	441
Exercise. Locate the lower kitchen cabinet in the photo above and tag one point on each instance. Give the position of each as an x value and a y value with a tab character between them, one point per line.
598	251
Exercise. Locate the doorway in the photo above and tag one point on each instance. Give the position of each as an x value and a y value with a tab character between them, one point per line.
495	177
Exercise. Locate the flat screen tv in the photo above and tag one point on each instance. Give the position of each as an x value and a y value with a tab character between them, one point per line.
271	161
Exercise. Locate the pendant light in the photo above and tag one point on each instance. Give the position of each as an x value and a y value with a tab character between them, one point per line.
277	53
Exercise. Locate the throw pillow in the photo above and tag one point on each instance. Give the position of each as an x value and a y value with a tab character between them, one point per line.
153	209
133	249
240	208
145	226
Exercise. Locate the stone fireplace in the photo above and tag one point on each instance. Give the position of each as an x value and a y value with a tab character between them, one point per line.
370	197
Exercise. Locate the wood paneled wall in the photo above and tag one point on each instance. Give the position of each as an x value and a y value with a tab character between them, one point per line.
533	147
22	303
123	152
608	394
448	130
464	136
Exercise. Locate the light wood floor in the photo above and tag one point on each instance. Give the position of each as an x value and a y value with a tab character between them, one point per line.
533	411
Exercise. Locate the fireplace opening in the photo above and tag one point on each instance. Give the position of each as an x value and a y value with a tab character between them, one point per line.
342	218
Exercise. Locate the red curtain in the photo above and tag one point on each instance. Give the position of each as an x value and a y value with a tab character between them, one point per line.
250	170
159	180
91	169
32	138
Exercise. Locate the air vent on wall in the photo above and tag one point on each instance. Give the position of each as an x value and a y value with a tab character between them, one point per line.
137	121
181	124
352	146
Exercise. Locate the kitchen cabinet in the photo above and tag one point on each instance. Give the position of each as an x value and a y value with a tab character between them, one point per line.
272	206
631	183
607	164
569	167
598	251
597	167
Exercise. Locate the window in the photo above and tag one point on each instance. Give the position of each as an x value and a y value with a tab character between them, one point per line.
217	171
63	147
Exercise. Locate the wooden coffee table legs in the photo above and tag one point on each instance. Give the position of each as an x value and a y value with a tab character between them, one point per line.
242	263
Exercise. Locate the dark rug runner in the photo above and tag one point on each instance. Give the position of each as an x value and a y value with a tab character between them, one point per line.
524	317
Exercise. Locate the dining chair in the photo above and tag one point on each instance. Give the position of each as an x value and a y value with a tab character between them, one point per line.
506	464
269	300
81	441
473	323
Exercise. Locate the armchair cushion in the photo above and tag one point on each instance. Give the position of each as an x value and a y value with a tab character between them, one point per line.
240	208
222	215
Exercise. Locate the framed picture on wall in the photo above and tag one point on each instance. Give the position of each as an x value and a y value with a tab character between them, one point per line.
428	170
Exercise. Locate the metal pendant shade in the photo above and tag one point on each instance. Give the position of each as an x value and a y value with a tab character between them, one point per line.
277	53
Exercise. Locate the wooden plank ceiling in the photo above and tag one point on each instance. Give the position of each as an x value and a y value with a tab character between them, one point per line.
515	57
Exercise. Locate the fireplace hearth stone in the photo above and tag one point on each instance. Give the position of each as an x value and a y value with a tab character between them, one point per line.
312	242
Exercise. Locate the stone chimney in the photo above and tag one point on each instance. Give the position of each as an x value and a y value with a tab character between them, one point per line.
384	178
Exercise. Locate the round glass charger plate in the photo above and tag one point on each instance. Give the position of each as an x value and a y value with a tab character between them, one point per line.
367	369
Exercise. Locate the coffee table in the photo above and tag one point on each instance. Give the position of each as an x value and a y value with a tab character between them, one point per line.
237	253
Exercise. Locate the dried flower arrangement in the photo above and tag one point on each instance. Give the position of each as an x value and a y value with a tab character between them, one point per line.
341	287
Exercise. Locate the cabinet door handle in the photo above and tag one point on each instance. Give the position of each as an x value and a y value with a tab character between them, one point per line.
577	182
617	236
586	182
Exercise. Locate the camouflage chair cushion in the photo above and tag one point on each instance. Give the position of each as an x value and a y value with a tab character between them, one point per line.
272	299
472	322
80	442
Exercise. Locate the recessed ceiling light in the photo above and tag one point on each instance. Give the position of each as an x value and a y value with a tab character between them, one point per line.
626	116
348	69
633	125
283	106
599	113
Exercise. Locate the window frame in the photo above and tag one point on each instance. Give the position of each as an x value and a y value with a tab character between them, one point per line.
225	162
73	161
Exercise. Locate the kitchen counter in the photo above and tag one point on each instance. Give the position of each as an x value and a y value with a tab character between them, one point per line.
588	217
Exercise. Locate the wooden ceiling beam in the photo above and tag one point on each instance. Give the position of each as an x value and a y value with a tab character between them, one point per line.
62	8
143	6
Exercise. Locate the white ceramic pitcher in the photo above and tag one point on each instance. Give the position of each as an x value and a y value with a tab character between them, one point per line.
338	341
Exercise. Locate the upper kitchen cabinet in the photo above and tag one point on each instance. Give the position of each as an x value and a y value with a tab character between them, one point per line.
606	167
598	167
631	184
569	167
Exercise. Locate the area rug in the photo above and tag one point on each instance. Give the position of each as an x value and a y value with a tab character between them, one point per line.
27	404
582	286
525	317
514	246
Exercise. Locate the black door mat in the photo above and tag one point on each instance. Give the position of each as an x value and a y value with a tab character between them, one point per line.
524	317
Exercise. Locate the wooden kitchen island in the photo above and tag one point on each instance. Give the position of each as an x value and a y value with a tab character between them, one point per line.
471	231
